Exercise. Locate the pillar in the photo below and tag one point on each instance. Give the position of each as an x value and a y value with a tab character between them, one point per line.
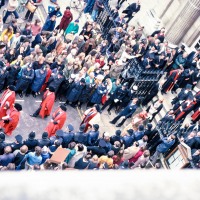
187	16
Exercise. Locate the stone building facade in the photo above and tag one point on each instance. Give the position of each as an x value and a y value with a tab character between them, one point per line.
181	18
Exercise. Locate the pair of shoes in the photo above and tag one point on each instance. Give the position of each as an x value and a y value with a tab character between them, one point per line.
32	115
111	122
118	125
34	95
109	112
21	95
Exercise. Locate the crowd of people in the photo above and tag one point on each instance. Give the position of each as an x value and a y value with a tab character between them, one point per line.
84	68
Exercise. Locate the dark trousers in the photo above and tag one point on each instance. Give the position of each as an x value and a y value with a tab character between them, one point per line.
10	13
111	103
29	15
36	113
130	17
117	118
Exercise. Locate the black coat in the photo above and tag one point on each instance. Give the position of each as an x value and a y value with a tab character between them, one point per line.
25	79
99	151
44	142
75	91
12	75
31	144
86	93
132	8
55	82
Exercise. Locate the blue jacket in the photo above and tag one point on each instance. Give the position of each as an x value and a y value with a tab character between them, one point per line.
52	11
98	93
75	92
128	110
67	138
92	137
128	140
38	80
81	137
165	145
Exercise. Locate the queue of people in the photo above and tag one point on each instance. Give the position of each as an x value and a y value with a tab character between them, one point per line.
85	68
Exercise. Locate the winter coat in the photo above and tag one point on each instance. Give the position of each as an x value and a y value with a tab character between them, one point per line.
98	93
165	145
25	79
75	92
38	80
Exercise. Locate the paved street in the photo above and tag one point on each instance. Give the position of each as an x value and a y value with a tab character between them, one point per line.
30	104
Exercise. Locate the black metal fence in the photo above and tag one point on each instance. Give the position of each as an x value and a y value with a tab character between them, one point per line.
106	19
144	79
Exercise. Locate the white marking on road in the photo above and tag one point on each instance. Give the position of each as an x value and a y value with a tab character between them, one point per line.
19	100
61	101
38	101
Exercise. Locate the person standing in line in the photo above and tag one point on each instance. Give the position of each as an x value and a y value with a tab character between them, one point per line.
47	104
11	120
7	100
58	119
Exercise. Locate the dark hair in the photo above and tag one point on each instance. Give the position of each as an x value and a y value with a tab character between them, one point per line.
71	145
37	21
38	150
80	147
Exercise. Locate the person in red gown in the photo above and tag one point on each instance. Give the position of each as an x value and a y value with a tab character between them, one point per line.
49	72
66	19
91	116
46	106
58	119
10	121
171	80
7	100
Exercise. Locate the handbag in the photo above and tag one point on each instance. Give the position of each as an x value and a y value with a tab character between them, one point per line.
31	7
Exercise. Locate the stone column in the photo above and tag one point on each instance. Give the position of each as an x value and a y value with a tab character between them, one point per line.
182	23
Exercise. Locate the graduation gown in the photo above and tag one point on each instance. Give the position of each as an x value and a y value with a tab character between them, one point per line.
7	100
47	104
186	108
88	117
13	120
196	115
58	119
169	83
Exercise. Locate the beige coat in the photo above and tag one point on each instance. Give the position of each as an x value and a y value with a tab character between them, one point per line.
130	152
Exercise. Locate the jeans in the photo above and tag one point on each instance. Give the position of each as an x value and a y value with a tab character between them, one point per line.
94	14
9	13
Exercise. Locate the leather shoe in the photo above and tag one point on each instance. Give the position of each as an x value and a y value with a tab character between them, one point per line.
111	122
109	112
118	125
32	115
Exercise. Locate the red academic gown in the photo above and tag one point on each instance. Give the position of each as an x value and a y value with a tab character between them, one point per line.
88	115
196	115
58	116
47	104
66	19
186	108
7	100
13	121
169	84
49	72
